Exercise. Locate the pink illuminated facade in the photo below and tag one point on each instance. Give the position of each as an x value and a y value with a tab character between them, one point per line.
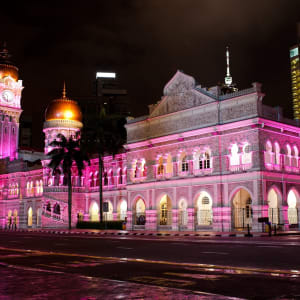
200	160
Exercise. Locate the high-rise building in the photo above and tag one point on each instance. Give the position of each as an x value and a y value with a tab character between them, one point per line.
295	77
110	95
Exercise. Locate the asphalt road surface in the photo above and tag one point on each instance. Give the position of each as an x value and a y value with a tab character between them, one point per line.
49	266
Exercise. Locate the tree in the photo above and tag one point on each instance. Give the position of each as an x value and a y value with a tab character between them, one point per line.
107	137
65	153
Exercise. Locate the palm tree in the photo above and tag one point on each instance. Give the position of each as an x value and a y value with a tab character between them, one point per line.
107	137
65	153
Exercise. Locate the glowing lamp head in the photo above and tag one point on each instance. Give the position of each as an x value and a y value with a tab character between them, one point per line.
68	114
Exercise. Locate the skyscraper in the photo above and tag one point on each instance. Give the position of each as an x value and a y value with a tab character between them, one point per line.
295	76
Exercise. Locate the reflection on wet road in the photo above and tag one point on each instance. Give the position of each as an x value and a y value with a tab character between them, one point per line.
40	274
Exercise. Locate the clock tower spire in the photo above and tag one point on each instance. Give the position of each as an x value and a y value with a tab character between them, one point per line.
10	105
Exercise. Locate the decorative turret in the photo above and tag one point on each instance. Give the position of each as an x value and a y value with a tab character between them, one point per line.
228	86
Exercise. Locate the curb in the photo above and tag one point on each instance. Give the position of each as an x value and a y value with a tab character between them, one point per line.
134	233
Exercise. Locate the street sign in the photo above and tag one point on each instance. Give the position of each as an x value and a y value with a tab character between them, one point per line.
105	206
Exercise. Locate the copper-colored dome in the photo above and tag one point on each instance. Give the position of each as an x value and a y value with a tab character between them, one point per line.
63	109
9	70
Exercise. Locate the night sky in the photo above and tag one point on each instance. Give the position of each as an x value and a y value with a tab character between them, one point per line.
145	42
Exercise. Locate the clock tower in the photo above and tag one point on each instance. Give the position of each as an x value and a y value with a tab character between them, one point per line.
10	106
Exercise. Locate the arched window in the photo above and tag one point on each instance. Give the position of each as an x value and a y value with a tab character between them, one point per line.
97	178
17	189
41	186
105	178
160	167
48	207
184	163
31	188
143	168
295	157
28	188
111	177
169	167
204	209
56	209
277	154
288	155
134	169
206	160
246	155
91	180
234	157
120	176
269	153
37	187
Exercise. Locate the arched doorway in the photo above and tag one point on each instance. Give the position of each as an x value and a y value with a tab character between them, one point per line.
38	217
182	213
122	210
165	210
293	200
242	209
273	206
29	217
139	210
94	212
204	209
9	219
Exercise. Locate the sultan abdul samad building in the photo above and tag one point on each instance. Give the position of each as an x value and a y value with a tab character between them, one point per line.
202	159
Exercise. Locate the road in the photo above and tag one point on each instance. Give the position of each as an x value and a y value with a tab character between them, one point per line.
38	265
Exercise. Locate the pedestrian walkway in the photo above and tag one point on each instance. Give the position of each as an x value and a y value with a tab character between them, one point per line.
148	233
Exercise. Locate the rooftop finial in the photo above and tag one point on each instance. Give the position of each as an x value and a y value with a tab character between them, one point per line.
64	93
228	78
4	55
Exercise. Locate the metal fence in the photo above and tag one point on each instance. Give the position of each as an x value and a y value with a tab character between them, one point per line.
221	219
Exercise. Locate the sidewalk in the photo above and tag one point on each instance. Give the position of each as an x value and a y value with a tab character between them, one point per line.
154	233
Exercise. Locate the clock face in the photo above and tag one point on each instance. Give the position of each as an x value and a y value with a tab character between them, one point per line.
7	96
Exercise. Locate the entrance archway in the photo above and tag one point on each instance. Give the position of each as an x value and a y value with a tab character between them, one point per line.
139	212
242	209
293	200
94	212
29	217
182	214
122	210
204	209
273	206
38	217
165	210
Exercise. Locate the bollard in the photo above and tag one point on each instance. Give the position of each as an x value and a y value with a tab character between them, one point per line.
248	233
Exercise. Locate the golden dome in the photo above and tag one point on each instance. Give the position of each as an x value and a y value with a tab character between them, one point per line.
63	109
9	70
6	67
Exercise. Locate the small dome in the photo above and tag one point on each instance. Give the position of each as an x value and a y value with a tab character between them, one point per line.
63	109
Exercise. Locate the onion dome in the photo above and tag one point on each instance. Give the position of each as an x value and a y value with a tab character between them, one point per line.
63	109
7	68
